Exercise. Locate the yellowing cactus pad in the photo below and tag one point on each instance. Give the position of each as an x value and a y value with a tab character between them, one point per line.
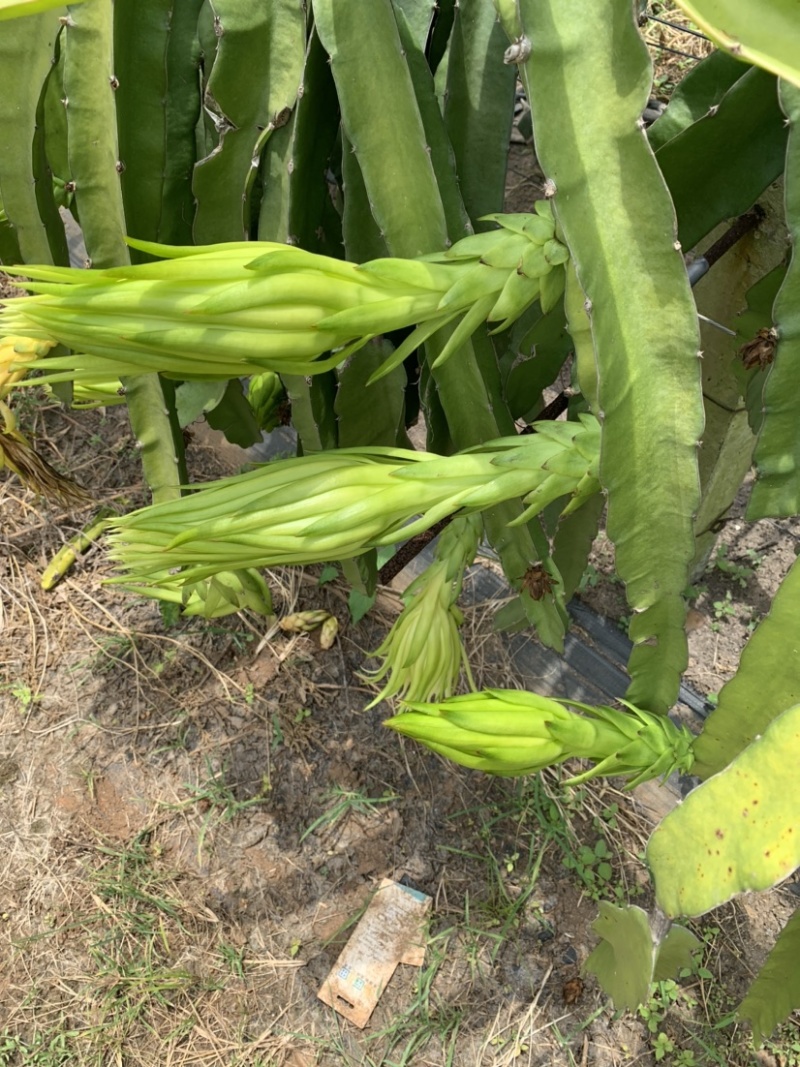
738	831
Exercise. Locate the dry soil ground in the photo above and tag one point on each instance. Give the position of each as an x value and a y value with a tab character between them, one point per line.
192	819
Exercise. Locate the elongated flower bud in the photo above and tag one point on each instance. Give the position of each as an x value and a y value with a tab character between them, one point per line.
423	654
334	505
511	733
224	311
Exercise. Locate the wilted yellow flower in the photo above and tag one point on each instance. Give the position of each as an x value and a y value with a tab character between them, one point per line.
14	352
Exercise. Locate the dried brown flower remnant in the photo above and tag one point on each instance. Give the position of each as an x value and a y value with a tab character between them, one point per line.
760	352
572	991
17	454
537	582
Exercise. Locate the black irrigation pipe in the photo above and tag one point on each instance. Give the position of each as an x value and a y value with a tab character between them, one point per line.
699	267
550	413
410	550
646	16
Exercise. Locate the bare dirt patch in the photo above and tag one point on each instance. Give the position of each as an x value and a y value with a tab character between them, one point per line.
728	599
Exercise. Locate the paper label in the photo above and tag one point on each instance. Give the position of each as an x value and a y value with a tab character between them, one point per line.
391	931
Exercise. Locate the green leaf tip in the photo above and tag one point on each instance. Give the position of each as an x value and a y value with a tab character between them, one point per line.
12	9
766	34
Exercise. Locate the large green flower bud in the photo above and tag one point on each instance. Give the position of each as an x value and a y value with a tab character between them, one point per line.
224	311
510	733
337	505
503	733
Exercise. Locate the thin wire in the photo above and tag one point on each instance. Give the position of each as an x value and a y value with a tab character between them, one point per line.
675	51
712	322
675	26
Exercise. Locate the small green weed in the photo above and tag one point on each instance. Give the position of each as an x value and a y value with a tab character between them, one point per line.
218	795
593	866
111	651
662	1046
344	802
665	996
218	799
723	609
662	997
170	655
738	572
787	1052
23	694
233	959
277	731
591	576
41	1050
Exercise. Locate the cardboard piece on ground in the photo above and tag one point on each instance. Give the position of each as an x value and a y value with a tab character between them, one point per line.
391	931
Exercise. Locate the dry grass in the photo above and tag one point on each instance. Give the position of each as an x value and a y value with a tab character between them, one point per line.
675	44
